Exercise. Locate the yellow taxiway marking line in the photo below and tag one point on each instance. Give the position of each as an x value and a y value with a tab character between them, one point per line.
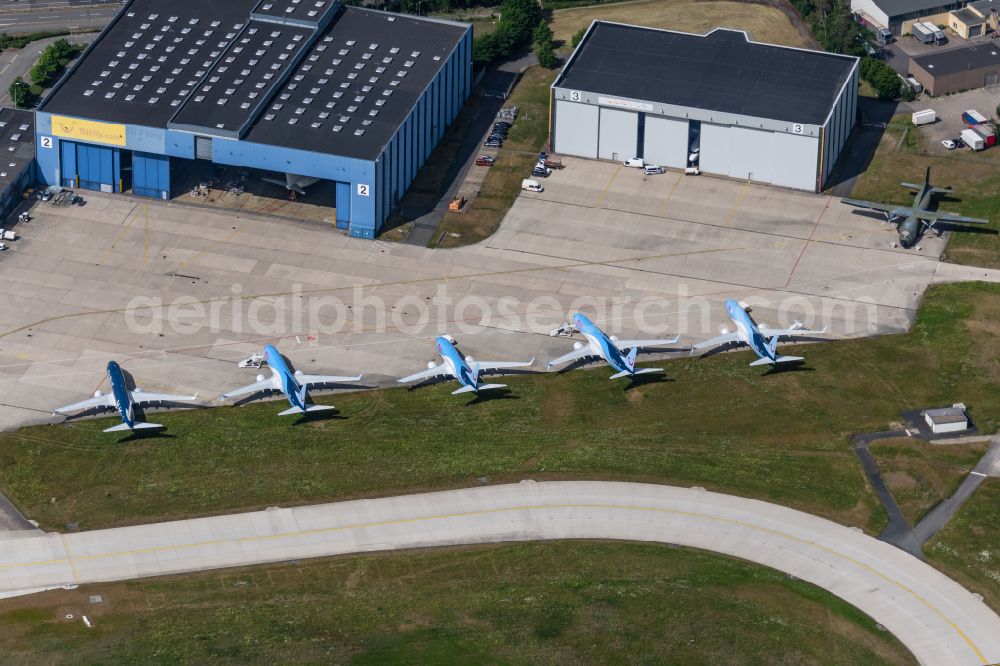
663	208
607	187
732	211
145	238
129	220
466	514
69	558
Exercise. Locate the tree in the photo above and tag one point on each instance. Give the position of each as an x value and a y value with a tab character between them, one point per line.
518	18
542	33
19	92
577	37
546	55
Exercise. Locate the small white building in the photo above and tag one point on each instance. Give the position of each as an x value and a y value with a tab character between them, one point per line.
947	419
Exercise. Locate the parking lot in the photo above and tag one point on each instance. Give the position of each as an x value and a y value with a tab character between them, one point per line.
949	110
179	294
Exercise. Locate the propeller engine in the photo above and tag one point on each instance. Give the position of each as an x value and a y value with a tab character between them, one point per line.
98	394
260	378
577	346
430	365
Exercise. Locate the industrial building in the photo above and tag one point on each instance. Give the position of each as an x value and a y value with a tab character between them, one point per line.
305	88
17	157
899	15
955	70
757	112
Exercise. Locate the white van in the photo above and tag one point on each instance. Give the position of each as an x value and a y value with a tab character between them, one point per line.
636	162
531	185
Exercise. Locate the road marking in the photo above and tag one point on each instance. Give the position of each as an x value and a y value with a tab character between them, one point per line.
145	238
530	507
604	192
808	240
977	473
69	558
129	219
663	208
731	215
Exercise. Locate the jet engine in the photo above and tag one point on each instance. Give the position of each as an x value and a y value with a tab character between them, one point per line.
260	378
577	346
98	394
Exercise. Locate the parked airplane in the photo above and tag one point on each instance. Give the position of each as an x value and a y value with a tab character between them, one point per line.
293	384
748	332
609	348
913	222
124	401
293	182
466	370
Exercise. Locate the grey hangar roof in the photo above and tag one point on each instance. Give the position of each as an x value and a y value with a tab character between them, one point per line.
721	71
959	60
307	74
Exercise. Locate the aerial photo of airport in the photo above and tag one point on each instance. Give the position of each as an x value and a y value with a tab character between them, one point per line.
499	332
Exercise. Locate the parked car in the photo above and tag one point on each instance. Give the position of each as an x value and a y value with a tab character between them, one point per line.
531	185
493	143
503	123
540	172
636	162
46	194
501	127
485	160
501	137
651	169
949	144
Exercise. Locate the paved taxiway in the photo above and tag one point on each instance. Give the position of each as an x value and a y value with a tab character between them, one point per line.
599	232
937	619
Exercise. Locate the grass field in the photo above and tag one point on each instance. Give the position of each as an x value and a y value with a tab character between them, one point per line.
503	182
903	156
919	481
552	603
779	436
968	548
764	23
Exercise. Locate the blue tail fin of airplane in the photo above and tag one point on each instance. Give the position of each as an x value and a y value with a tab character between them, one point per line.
630	358
772	345
475	375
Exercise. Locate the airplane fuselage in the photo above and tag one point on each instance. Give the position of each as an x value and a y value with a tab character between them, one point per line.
748	330
455	363
600	343
284	374
120	393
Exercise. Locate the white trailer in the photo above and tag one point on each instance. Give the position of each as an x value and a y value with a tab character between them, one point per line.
925	117
973	140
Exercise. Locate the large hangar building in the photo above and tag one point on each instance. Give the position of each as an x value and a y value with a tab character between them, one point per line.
307	88
758	112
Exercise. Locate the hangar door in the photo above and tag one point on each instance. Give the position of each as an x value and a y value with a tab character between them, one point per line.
665	141
151	175
619	134
90	167
576	129
762	156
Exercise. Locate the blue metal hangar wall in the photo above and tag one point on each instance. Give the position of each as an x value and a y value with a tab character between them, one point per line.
304	87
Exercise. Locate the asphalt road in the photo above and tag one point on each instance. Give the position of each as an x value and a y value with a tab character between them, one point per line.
939	621
65	17
17	62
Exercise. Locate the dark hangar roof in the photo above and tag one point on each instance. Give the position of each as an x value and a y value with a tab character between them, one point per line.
17	143
313	76
147	62
721	71
357	84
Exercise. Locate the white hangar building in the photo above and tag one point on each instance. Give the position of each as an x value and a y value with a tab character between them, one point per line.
758	112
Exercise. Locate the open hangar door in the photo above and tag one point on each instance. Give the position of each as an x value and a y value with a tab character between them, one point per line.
618	138
576	129
666	141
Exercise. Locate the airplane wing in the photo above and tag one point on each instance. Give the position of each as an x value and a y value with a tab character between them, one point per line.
642	344
789	332
102	401
429	373
858	203
575	355
306	380
140	397
724	339
268	384
950	217
490	366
